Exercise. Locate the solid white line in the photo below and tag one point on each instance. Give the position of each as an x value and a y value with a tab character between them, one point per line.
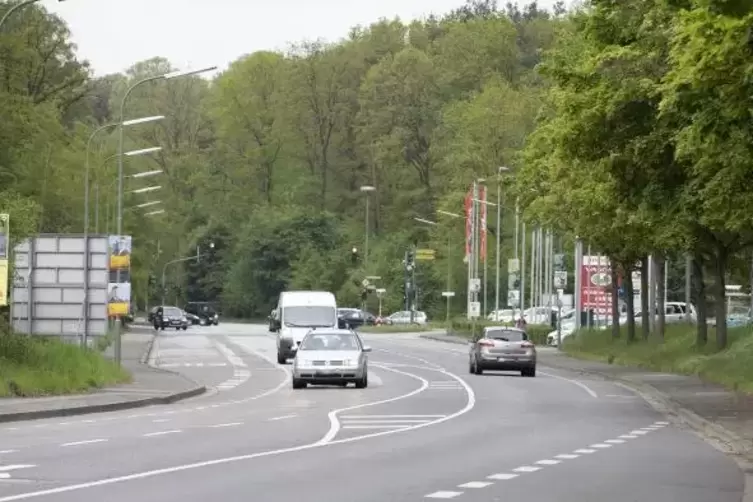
162	433
574	382
527	468
233	424
374	426
284	417
437	495
14	467
355	417
7	451
89	441
502	476
354	422
548	462
566	456
475	484
240	458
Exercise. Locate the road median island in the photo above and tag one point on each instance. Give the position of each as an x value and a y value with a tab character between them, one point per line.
731	367
33	366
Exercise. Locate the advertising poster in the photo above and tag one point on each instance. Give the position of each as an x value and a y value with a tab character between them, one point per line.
595	285
118	298
4	249
119	286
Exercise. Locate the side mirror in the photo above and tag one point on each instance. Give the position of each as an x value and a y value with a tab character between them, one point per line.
366	349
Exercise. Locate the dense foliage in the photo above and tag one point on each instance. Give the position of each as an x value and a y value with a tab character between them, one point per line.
625	123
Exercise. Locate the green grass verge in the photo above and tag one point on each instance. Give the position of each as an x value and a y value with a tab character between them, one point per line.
731	367
42	366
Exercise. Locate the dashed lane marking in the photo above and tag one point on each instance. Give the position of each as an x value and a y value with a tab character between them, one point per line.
284	417
86	441
232	424
193	365
4	469
540	464
3	452
161	433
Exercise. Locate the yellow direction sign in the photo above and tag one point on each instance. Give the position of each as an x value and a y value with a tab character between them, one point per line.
425	254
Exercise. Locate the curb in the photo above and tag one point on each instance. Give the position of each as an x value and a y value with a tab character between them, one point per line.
722	439
445	340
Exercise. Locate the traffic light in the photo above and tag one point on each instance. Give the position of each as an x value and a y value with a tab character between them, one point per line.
152	280
354	255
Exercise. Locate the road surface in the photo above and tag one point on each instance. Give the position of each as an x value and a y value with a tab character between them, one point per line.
424	429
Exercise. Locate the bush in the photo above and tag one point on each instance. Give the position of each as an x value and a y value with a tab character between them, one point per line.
38	366
732	367
463	327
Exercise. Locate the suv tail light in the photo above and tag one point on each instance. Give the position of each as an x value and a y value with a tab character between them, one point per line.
527	345
485	343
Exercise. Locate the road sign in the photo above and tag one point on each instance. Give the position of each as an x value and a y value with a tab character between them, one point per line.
475	285
365	283
448	294
513	266
560	279
513	298
425	254
559	262
475	309
381	291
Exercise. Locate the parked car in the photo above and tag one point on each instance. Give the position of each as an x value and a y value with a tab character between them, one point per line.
503	349
356	317
206	313
404	317
192	319
330	356
169	317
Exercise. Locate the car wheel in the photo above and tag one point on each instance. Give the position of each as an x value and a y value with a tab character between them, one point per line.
216	323
362	382
299	384
185	328
471	367
162	328
528	372
281	359
477	368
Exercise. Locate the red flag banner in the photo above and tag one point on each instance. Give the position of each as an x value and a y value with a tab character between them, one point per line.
482	230
468	222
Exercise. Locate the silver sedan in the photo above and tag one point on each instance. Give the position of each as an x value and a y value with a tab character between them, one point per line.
503	349
331	357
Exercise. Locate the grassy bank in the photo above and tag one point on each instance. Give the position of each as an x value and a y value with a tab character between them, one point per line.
732	367
36	366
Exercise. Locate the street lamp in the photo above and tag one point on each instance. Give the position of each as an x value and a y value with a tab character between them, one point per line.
13	8
366	189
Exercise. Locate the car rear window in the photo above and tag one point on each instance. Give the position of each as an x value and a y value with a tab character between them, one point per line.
506	335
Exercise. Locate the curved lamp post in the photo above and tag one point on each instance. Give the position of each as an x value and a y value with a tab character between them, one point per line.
16	7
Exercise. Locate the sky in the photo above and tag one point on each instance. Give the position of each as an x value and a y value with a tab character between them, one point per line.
114	34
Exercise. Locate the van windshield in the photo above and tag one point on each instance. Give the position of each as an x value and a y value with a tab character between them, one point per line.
309	316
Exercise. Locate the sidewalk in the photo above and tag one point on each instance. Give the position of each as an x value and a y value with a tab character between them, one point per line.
720	415
149	386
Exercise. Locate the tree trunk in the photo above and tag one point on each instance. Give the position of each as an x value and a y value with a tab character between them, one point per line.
720	305
615	300
659	270
645	314
630	303
701	307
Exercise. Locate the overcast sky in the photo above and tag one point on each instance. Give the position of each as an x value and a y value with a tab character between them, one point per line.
114	34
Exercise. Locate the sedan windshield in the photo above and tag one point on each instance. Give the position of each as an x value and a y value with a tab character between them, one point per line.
506	335
330	341
309	316
172	313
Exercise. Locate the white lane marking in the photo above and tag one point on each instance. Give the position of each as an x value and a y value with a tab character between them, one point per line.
354	422
160	420
240	374
2	452
374	426
88	421
438	495
574	382
502	476
566	456
87	441
585	451
526	468
284	417
11	429
6	468
547	462
162	433
601	445
615	441
628	436
476	484
356	417
232	424
662	423
639	432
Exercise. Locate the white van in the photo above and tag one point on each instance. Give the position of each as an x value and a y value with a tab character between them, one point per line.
298	312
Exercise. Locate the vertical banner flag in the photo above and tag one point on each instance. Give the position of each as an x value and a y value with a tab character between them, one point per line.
4	251
595	285
119	286
483	222
468	222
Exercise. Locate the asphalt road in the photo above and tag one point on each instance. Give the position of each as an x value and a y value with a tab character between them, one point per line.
424	429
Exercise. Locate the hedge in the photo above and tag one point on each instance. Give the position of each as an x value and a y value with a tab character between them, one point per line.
463	327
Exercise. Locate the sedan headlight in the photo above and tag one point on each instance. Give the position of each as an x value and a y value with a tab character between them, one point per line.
350	363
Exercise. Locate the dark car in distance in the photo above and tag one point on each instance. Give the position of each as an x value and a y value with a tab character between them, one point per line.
169	317
356	318
206	313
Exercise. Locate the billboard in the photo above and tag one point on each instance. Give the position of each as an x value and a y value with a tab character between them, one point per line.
4	242
596	285
119	285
